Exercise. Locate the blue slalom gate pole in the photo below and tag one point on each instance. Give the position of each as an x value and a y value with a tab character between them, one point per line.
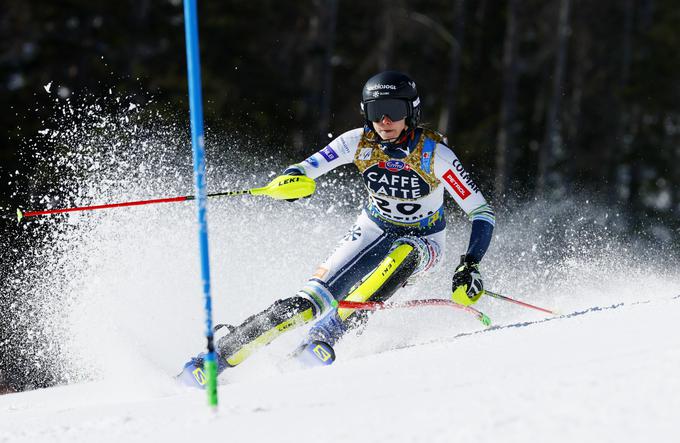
196	111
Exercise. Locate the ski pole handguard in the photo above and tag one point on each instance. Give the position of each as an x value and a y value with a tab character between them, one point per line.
378	306
286	187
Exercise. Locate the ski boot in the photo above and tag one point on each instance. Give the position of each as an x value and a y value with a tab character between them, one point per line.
315	353
317	348
192	373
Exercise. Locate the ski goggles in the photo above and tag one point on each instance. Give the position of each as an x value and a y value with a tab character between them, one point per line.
393	108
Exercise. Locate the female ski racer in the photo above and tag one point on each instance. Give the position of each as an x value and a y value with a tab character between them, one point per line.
399	233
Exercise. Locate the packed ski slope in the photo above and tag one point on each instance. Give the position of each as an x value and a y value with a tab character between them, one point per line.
111	305
607	375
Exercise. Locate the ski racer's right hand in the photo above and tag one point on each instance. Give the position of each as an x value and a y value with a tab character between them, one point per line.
293	170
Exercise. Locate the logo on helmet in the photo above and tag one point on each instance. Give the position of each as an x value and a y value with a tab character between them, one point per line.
381	86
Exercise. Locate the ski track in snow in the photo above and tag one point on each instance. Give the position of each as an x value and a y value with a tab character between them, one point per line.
523	324
605	374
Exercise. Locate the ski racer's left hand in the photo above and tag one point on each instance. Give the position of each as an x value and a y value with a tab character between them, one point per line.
467	285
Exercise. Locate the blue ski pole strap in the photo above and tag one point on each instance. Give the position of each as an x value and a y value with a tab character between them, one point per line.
426	156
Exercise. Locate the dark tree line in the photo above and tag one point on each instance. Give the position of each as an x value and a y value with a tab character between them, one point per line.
544	96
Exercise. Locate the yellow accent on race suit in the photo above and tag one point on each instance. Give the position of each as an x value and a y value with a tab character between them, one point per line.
377	278
287	186
369	140
268	336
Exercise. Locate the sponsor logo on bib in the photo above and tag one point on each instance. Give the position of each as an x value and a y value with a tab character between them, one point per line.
394	165
395	179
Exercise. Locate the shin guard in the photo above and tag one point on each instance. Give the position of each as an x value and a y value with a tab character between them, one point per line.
261	329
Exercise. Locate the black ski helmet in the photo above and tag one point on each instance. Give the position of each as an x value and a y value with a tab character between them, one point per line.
391	93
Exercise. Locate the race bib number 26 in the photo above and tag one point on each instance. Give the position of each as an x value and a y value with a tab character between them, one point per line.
396	209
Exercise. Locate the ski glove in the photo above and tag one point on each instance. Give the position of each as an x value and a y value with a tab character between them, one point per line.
467	285
293	170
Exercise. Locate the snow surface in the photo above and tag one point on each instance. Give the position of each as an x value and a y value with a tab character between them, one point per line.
111	304
607	375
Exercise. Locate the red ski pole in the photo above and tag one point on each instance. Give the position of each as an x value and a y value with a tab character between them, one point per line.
21	214
521	303
282	187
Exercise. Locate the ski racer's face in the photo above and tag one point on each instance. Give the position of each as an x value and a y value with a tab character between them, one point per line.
388	129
